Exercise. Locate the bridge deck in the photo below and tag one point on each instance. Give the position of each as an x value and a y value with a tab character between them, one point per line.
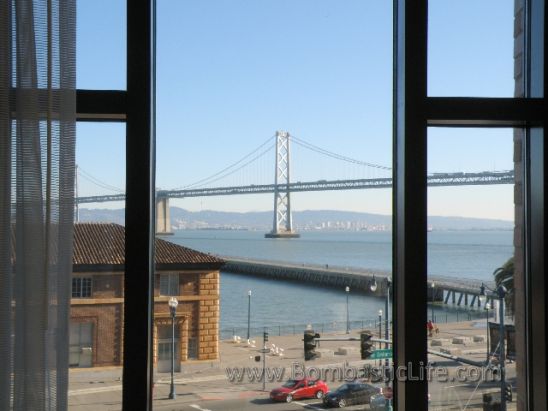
433	180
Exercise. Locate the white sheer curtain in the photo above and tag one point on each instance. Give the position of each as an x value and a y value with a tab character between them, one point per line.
37	136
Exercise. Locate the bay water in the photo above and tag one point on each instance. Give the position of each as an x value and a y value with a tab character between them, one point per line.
285	307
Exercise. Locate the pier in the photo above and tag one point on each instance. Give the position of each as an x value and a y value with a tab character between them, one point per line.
447	290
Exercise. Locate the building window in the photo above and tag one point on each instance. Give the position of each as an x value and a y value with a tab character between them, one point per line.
192	349
191	285
169	284
81	287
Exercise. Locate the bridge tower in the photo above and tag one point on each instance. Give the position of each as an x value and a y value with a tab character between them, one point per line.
163	217
283	225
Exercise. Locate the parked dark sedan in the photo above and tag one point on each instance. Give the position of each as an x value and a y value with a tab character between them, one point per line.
351	394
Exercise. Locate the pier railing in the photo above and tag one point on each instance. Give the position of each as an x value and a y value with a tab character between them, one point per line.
338	326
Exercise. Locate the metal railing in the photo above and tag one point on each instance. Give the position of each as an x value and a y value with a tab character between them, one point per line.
338	326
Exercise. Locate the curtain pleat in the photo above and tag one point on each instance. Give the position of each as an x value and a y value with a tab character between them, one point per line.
6	278
37	139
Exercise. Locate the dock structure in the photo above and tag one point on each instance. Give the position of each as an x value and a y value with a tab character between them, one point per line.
446	290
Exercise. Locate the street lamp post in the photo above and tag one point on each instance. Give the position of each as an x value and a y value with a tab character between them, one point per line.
373	287
500	293
487	307
248	313
380	332
433	285
173	303
387	335
347	289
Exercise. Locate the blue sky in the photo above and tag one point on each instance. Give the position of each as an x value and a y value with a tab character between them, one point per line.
232	72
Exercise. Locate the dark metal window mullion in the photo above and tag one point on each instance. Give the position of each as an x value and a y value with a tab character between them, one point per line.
535	202
535	199
410	226
140	206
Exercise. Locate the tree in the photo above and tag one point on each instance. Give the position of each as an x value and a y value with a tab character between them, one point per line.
505	276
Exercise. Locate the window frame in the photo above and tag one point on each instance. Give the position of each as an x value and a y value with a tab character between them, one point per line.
413	113
136	107
80	286
173	283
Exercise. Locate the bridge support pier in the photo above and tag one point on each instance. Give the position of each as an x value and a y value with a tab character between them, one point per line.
163	217
473	301
283	224
435	294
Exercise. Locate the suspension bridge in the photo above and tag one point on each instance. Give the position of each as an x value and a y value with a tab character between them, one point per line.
283	186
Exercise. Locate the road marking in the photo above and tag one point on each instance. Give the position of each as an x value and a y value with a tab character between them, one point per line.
94	390
217	377
196	406
309	406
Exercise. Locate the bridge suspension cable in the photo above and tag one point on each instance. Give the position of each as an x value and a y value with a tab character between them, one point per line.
87	176
229	170
310	146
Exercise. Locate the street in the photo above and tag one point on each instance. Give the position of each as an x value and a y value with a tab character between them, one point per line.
207	386
260	402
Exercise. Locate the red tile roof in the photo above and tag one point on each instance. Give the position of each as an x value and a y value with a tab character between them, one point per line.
102	244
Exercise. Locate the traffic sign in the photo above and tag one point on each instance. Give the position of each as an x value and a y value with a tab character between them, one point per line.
381	354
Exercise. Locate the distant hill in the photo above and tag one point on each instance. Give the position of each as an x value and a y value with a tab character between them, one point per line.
303	220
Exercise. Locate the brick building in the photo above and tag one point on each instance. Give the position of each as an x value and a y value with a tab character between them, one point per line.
97	304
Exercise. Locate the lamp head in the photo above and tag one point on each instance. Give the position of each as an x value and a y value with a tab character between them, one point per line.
173	303
432	284
380	313
373	285
347	289
249	293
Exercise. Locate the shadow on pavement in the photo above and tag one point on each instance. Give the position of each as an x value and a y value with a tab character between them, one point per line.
262	401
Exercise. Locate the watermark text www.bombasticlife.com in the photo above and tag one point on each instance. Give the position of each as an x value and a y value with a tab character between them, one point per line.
345	372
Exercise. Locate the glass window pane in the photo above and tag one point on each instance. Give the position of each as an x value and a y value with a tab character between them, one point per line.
471	48
475	220
169	284
101	44
96	314
245	89
81	287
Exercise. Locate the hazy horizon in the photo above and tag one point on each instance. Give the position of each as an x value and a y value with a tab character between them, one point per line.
106	209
